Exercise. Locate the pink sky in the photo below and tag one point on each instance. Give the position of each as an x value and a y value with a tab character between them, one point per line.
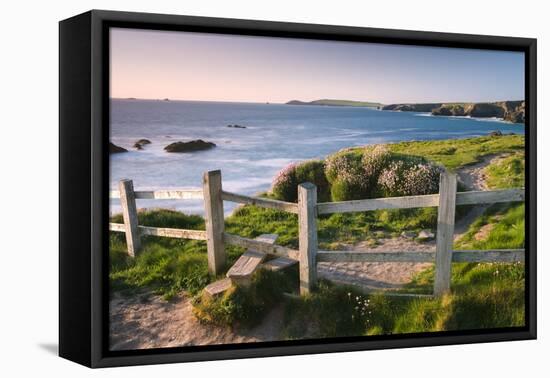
210	67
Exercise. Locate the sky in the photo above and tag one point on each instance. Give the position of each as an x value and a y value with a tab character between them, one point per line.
213	67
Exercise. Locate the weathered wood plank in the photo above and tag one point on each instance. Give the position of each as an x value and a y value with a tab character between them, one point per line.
356	256
214	220
279	264
117	227
484	256
307	236
241	272
256	245
430	200
261	202
267	238
177	233
218	287
129	214
492	196
445	230
174	193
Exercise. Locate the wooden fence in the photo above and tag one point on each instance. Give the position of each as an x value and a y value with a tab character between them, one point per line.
307	208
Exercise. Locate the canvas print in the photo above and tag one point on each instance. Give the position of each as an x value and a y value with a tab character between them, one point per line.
278	189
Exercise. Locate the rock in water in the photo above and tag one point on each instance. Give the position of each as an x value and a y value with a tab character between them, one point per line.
192	146
114	149
140	143
495	133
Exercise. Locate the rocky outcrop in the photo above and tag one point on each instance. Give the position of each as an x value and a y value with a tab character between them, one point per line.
140	143
114	149
511	111
485	110
514	111
192	146
421	108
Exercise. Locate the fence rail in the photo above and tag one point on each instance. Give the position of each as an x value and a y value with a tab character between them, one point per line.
289	207
308	210
496	255
174	194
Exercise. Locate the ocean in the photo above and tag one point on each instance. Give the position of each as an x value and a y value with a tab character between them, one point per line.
275	135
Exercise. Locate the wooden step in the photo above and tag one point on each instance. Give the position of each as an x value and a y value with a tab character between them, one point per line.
218	287
241	272
279	263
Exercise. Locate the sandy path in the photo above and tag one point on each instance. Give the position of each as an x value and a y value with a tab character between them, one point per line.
376	275
473	178
148	321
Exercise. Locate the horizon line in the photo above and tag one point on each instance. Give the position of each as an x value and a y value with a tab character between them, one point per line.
306	101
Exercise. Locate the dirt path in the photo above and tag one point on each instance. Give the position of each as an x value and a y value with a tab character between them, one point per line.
473	178
376	275
148	321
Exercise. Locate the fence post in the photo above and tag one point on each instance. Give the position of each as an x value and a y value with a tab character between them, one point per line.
445	231
214	220
307	236
129	214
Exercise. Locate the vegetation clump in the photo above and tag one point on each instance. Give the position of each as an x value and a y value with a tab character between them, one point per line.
285	184
246	306
359	174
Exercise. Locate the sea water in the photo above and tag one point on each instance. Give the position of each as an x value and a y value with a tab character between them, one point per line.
275	135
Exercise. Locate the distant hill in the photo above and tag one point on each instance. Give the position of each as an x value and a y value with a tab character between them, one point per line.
511	111
329	102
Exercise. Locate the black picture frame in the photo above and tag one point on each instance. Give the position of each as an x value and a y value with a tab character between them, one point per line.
84	169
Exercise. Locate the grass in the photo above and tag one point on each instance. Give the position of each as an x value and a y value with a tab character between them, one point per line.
505	227
246	306
165	266
456	153
508	172
484	295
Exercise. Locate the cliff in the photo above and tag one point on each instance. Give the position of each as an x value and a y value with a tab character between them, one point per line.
511	111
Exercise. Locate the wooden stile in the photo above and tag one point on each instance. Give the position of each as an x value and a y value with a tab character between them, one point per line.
241	272
307	236
129	214
445	230
260	246
214	220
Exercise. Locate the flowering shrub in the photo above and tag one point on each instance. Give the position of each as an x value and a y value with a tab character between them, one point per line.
314	171
350	175
347	177
375	159
285	184
409	177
